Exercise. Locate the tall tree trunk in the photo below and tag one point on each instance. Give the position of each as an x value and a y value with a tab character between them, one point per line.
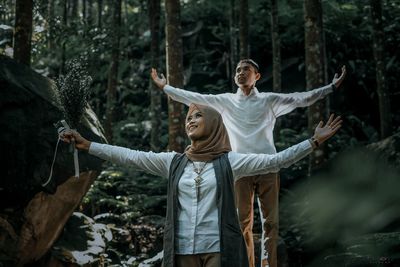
113	72
244	28
233	57
174	54
23	31
84	11
378	48
74	9
155	93
276	55
276	48
315	77
89	12
50	19
99	13
65	25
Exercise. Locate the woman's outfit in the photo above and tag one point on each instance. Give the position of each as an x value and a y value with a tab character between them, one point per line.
206	223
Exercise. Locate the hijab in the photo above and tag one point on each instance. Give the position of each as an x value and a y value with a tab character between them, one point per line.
215	141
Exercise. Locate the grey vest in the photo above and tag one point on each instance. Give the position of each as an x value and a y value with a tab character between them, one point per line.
233	248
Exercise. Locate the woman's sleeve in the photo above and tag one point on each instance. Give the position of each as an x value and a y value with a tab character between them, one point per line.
254	164
154	163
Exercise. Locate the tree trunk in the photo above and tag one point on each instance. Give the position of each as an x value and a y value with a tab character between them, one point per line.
50	19
113	72
174	53
155	93
65	25
315	77
74	9
23	31
276	57
378	48
99	13
89	12
244	28
233	58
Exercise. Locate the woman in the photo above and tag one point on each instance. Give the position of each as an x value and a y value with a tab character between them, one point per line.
202	228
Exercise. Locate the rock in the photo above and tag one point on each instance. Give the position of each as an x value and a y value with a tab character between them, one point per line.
37	213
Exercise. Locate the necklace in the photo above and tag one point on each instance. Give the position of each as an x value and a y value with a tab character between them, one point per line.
198	179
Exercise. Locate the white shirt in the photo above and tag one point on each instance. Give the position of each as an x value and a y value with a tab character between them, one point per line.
197	226
250	120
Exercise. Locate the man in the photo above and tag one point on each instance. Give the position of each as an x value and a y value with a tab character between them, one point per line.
249	117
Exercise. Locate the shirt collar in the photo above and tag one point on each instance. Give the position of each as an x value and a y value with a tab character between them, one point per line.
253	91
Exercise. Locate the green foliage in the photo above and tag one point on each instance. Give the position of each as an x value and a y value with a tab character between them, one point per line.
344	210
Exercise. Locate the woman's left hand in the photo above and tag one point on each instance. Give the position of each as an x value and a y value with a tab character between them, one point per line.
324	132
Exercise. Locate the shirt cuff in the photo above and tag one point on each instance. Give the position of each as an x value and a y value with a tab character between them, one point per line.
168	87
94	148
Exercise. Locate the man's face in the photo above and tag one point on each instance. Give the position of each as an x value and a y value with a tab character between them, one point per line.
195	125
246	75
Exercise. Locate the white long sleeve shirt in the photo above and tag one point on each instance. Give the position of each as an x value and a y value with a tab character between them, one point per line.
198	229
250	120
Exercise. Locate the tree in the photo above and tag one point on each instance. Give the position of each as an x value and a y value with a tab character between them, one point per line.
276	48
99	13
244	28
155	94
315	74
23	31
65	25
233	55
113	72
276	53
378	49
174	48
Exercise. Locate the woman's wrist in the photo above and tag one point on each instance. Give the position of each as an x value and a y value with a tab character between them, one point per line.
314	142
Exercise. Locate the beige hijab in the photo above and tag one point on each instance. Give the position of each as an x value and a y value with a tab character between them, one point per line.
216	140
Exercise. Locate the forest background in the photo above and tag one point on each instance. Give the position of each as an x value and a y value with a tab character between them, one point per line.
340	207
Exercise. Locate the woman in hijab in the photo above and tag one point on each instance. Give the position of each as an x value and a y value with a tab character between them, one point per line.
202	227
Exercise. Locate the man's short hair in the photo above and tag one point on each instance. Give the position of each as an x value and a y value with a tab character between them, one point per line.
251	62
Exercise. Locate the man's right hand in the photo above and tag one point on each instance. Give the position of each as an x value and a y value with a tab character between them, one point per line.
160	82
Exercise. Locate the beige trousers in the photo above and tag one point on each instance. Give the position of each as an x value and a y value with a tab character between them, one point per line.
266	188
198	260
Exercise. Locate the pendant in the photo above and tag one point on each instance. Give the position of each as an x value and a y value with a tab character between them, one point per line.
197	181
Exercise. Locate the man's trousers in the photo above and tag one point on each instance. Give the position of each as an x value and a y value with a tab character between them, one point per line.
266	188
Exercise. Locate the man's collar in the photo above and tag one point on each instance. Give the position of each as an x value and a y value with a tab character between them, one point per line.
254	91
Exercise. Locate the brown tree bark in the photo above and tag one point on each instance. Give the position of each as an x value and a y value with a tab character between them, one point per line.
276	48
113	72
244	28
23	31
381	88
276	57
65	25
174	48
315	76
233	56
99	13
50	19
155	93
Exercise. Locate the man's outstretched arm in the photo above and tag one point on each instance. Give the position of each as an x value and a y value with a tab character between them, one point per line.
183	96
285	103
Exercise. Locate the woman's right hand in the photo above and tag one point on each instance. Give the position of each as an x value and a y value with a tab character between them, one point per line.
69	136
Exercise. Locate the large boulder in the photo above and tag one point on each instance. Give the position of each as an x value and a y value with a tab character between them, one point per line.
33	212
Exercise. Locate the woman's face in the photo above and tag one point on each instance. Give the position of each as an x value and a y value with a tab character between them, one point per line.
195	125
